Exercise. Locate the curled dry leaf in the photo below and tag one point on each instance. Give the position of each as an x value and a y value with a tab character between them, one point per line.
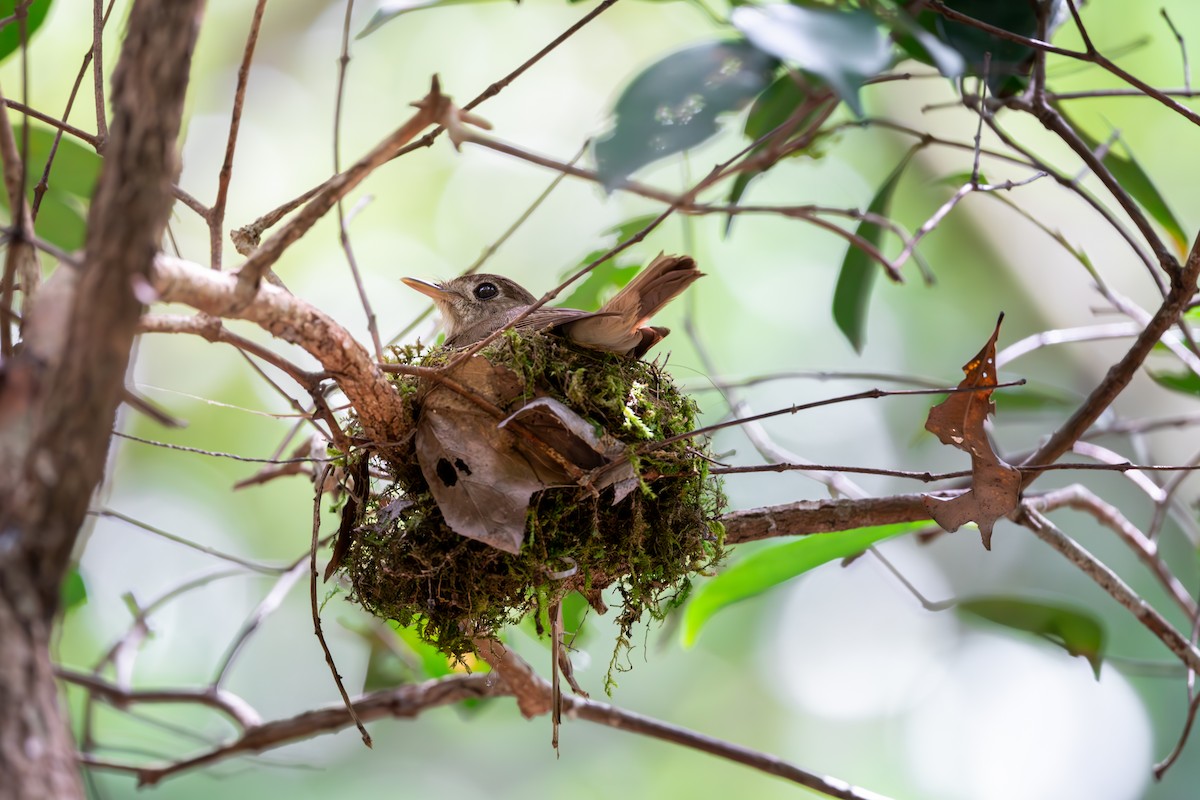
958	421
579	442
483	471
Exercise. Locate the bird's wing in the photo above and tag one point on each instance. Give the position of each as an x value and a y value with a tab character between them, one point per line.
548	317
542	319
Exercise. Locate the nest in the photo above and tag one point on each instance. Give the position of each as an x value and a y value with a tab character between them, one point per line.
407	565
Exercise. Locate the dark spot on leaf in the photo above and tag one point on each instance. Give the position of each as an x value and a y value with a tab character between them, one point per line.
446	473
461	466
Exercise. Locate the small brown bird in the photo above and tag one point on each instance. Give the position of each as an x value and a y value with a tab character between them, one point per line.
474	306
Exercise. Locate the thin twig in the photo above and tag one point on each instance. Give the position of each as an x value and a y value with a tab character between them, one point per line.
1183	53
229	704
1111	583
429	110
216	214
316	609
186	542
98	18
1183	286
54	122
869	394
267	606
344	219
211	328
250	232
62	127
1082	499
218	454
1091	55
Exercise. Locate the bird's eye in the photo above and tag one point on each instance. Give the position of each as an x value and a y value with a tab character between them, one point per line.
486	291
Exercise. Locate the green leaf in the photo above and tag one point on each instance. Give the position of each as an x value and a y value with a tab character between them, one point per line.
610	276
575	610
773	108
842	48
385	669
631	227
73	591
76	167
62	217
675	102
1078	632
1028	398
600	283
1184	382
959	179
397	655
433	663
1134	180
772	566
922	45
1008	62
390	9
10	35
60	221
852	295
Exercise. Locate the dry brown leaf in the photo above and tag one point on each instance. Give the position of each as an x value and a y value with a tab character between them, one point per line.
578	441
479	475
482	471
958	421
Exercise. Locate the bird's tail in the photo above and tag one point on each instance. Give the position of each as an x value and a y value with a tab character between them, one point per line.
620	324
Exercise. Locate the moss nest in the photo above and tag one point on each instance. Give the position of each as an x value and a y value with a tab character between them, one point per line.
407	565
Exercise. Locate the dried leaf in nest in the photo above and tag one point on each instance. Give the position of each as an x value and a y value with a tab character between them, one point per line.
522	462
483	470
958	421
480	474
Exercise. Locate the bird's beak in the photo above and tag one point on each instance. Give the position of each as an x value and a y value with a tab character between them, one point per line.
426	288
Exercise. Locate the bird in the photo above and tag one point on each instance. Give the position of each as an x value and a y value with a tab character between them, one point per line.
475	306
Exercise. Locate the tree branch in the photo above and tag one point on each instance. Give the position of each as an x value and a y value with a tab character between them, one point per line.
292	320
410	701
60	393
1183	287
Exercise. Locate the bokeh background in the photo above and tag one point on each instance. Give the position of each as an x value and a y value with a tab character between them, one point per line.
841	671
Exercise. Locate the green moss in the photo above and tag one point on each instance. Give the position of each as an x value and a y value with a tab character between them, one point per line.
406	564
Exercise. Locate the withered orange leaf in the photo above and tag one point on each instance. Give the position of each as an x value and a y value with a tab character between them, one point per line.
958	421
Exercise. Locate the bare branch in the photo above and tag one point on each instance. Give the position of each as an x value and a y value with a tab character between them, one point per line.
1183	287
1111	583
62	390
429	110
1080	499
229	704
1187	70
823	516
216	214
293	320
98	17
1092	55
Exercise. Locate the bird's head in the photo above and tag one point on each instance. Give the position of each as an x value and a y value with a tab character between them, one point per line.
470	301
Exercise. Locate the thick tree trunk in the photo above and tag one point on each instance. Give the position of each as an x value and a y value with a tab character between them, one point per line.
59	393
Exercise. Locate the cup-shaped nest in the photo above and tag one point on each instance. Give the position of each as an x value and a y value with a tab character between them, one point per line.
406	564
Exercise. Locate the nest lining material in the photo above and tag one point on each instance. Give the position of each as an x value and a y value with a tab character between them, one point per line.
407	565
